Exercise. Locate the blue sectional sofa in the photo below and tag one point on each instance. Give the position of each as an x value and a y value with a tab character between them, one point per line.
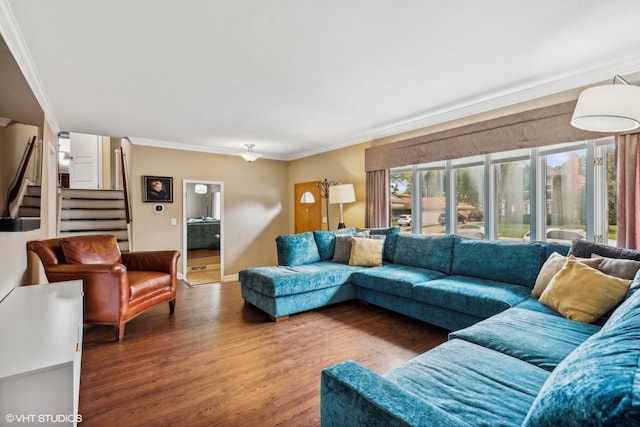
449	281
510	359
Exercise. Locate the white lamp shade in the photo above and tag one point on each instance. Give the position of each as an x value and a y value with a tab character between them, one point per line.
608	108
342	193
250	156
201	189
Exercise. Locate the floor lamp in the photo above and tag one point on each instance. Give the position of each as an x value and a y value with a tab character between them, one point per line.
340	194
324	193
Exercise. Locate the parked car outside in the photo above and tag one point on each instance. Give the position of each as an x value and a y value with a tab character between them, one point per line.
442	219
475	231
559	234
404	220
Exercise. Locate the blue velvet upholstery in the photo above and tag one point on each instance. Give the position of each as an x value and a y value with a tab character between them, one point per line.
297	303
394	278
510	262
482	380
391	234
297	249
430	252
478	297
283	280
326	241
561	248
435	315
538	338
598	384
353	395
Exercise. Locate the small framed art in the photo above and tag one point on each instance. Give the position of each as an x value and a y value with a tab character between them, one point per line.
157	189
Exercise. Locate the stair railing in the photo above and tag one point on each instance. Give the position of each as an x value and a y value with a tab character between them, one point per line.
123	169
17	187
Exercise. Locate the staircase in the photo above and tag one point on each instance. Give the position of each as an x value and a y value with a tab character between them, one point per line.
94	212
30	206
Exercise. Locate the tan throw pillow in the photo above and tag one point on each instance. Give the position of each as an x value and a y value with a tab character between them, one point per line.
366	252
582	293
554	263
91	249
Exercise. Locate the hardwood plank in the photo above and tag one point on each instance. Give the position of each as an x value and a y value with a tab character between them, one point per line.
218	361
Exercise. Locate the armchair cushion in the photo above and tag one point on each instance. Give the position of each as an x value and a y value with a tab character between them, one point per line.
91	249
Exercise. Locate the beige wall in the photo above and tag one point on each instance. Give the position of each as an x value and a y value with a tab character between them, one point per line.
255	203
344	166
18	269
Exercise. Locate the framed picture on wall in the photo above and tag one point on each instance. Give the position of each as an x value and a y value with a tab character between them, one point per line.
157	189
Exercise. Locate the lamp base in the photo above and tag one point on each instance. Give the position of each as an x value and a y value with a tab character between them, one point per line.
341	225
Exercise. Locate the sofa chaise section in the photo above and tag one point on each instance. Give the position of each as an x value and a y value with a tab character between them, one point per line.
283	290
304	278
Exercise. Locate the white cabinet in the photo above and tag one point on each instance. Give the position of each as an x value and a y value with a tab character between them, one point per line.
40	351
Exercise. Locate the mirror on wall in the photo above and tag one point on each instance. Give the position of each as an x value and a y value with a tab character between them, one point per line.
21	132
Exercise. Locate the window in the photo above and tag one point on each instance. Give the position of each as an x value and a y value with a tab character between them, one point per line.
401	204
433	198
513	198
469	194
556	193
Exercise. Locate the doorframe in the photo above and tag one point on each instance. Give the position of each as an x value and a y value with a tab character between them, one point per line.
184	222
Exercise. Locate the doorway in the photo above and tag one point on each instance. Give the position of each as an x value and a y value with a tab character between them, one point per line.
202	232
308	207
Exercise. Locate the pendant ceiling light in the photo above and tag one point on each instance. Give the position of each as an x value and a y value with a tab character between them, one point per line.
608	108
250	155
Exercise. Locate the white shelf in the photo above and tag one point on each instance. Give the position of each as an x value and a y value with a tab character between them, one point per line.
41	335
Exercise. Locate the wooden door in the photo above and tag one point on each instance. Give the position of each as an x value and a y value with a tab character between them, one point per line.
308	210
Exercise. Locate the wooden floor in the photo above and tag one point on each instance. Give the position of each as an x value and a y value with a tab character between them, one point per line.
219	362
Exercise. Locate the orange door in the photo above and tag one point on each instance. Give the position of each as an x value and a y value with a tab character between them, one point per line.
308	207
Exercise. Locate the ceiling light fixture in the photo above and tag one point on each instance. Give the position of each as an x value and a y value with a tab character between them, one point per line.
608	108
250	155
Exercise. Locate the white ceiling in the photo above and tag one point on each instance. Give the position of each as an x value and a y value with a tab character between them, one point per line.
299	77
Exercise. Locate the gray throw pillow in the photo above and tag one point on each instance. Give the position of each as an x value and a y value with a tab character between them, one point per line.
342	249
621	268
584	249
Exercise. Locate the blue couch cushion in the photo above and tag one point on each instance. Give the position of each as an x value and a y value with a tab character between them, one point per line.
480	386
430	252
394	279
478	297
510	262
290	280
561	248
538	338
326	241
391	234
297	249
599	382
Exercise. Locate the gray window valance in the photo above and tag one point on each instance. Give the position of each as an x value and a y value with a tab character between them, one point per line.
527	129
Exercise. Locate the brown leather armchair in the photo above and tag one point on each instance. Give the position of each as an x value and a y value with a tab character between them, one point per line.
117	286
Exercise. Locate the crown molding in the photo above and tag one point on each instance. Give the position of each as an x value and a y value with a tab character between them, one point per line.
14	40
576	81
194	147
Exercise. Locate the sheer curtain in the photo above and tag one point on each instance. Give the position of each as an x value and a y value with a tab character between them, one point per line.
377	199
628	190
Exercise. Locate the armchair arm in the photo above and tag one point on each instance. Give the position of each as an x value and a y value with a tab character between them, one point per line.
354	395
105	286
164	261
